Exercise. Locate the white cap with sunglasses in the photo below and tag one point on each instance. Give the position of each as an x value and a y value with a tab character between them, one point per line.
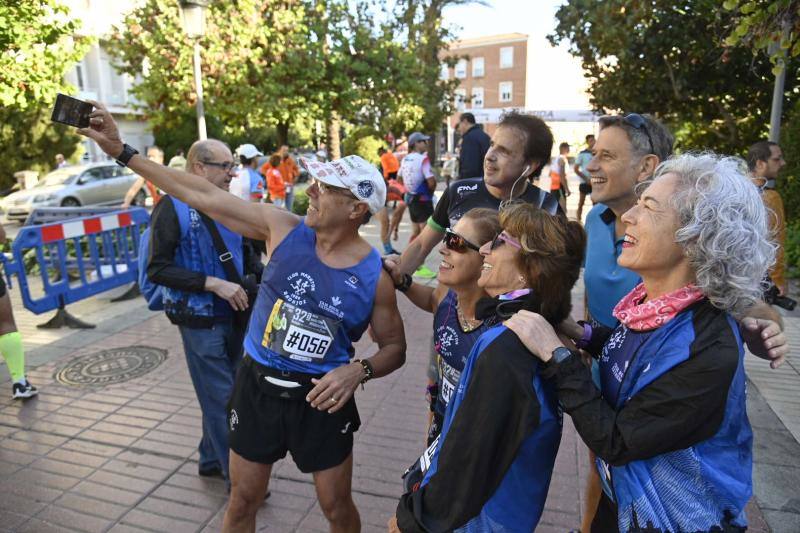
352	173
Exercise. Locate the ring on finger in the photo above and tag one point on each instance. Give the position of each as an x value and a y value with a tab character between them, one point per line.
334	400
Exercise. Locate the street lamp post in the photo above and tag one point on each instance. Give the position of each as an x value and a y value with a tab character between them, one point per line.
193	18
778	89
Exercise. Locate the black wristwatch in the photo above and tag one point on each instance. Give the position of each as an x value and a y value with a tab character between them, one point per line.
560	354
405	284
124	158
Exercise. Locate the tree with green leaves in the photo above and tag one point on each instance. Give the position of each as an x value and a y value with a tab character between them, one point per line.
427	38
38	46
668	58
244	65
270	63
771	26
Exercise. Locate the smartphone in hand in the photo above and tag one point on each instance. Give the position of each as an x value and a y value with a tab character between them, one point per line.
71	111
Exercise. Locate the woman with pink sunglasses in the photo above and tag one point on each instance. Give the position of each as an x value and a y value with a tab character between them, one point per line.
490	468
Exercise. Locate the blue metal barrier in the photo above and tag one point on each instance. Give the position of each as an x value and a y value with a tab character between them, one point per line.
47	215
73	249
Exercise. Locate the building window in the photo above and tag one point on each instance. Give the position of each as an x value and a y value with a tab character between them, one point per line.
445	71
461	69
506	91
461	97
81	76
507	57
477	97
477	67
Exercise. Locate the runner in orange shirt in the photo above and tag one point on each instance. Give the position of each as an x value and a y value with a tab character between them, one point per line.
275	182
394	194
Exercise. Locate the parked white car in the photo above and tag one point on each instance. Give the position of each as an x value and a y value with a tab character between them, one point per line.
74	186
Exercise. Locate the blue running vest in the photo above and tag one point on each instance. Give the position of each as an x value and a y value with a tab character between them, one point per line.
308	315
452	346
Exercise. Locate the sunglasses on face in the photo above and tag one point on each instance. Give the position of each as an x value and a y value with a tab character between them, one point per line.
637	121
324	188
503	238
227	166
455	242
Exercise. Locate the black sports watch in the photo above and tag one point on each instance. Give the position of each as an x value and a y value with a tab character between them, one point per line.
405	284
124	158
560	354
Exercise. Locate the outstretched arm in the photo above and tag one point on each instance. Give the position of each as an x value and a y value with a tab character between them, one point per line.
423	296
256	221
416	252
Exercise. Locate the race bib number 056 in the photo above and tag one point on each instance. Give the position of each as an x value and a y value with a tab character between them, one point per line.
299	334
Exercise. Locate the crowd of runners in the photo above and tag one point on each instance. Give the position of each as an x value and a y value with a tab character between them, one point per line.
674	256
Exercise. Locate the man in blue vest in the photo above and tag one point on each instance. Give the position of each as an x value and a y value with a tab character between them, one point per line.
323	285
200	300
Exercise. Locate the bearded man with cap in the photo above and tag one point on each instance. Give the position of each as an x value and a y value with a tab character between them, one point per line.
418	178
323	285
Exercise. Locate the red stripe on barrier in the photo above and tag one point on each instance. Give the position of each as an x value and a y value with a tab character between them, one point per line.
52	233
92	225
124	219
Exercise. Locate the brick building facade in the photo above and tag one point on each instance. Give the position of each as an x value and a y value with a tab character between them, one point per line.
493	78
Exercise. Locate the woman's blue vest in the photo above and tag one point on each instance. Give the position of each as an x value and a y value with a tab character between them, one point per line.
696	488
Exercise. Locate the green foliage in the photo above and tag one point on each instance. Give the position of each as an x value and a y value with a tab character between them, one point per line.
268	65
363	142
789	181
37	48
771	26
791	249
300	203
667	58
242	45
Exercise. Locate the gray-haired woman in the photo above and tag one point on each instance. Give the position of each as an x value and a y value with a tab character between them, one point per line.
669	425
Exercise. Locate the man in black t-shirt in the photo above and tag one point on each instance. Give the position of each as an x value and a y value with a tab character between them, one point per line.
466	194
520	147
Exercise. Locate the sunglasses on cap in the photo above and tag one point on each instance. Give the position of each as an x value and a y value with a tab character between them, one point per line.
455	242
503	238
635	120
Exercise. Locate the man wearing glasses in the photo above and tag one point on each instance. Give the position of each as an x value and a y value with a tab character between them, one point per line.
323	285
200	300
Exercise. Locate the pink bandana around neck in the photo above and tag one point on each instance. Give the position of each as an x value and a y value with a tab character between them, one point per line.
635	315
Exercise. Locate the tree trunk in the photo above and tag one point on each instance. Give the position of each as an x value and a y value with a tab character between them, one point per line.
283	133
333	126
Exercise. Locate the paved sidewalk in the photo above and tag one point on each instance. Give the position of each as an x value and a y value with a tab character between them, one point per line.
123	458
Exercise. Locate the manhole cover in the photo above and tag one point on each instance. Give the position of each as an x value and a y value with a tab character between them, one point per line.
110	366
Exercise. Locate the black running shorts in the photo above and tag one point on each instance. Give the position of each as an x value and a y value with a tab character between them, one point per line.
267	420
585	188
419	210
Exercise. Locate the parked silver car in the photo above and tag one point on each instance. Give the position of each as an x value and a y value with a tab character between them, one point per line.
73	186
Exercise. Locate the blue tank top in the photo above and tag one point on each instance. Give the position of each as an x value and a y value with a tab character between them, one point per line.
452	347
308	315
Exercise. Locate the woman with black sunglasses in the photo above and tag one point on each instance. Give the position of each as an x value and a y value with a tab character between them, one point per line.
490	468
452	302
